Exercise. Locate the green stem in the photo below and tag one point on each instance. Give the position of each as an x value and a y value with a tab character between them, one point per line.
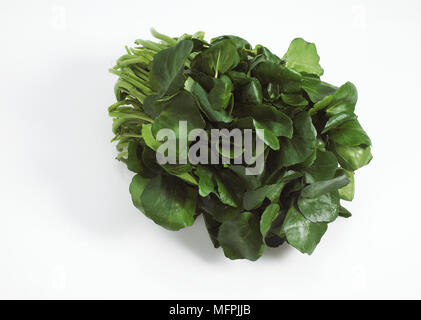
134	80
217	64
163	37
131	115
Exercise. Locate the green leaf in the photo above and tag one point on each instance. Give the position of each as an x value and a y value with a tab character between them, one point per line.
213	228
320	187
133	159
350	133
269	215
166	75
251	93
221	57
267	54
294	99
352	157
323	168
344	100
343	212
180	107
288	79
226	190
203	102
137	186
323	208
219	211
302	144
252	199
206	183
237	41
301	233
317	90
302	56
347	192
338	119
267	135
220	95
240	238
147	135
269	118
169	203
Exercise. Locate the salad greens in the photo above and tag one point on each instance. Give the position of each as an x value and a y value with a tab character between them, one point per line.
313	141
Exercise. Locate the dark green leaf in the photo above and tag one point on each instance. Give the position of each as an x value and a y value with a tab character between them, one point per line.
301	233
343	212
288	79
203	102
338	119
320	187
350	133
206	183
353	157
240	238
347	192
269	215
323	208
220	94
137	186
181	107
221	57
294	99
251	93
323	168
302	144
169	203
343	100
166	74
317	90
219	211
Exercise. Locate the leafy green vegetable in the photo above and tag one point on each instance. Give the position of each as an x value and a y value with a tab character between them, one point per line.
311	140
167	72
168	202
240	238
301	233
302	56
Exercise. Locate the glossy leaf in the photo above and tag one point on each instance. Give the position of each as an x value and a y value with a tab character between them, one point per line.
318	188
323	168
323	208
167	204
350	133
137	186
302	144
220	95
347	192
269	215
301	233
316	89
338	119
343	100
204	104
240	238
221	57
181	107
167	68
288	79
353	157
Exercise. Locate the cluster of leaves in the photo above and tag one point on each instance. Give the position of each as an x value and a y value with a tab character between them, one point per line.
313	140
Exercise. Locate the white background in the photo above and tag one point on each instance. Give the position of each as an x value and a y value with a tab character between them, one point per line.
68	228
